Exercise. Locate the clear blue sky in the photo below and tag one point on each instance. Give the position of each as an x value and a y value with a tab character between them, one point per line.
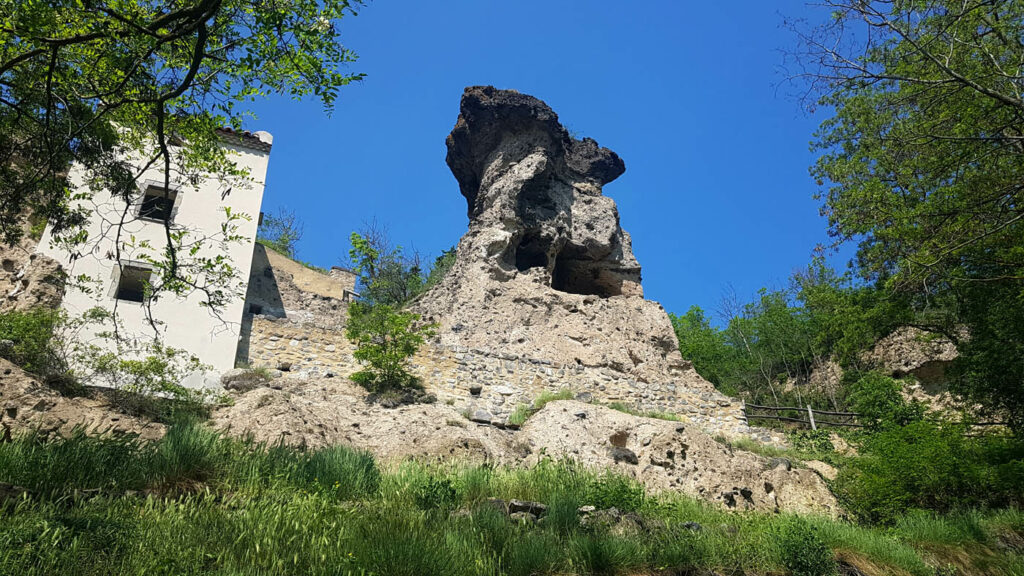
716	191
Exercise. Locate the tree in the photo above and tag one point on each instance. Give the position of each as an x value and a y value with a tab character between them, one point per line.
385	338
442	265
921	165
281	232
705	346
118	84
387	275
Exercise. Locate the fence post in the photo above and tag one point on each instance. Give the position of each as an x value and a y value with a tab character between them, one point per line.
810	413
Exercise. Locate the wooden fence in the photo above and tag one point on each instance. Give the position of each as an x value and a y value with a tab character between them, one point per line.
786	414
809	416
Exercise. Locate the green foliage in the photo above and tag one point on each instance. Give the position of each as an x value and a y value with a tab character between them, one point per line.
933	466
30	333
520	415
386	274
783	335
385	339
523	412
920	166
989	370
704	345
98	83
879	401
442	264
281	232
803	552
54	466
615	491
436	494
232	507
628	409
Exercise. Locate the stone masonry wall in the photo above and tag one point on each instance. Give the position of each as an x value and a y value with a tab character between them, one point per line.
477	380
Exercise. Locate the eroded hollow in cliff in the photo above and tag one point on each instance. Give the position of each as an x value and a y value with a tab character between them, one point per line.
531	252
585	277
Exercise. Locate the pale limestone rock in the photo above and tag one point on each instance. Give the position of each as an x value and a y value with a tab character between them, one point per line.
27	405
545	270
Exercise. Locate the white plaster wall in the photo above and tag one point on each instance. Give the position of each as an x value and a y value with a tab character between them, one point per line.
183	322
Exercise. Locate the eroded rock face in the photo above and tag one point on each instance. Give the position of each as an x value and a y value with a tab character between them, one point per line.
29	279
27	405
663	455
545	269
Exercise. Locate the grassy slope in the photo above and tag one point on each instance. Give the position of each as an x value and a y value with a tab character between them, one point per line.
218	506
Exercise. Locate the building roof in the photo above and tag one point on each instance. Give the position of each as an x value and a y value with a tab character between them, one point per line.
261	141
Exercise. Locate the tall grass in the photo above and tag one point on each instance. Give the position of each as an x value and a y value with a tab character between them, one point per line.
226	506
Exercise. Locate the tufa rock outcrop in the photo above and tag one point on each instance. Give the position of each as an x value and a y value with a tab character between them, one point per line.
545	270
665	456
29	279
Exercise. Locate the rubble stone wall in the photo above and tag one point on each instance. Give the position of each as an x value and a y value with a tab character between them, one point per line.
478	380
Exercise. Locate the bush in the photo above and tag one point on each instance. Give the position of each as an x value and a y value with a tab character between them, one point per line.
385	339
281	232
931	466
880	402
30	334
436	494
802	550
344	472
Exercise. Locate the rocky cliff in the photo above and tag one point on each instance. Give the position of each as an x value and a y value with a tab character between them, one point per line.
545	269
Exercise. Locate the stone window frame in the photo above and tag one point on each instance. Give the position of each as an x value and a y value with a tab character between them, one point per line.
144	188
115	275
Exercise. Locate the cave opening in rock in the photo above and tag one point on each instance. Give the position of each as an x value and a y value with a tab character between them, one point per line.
585	277
531	253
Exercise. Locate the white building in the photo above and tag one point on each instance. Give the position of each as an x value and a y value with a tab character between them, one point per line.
182	322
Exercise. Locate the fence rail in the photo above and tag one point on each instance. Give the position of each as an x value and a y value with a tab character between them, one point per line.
849	418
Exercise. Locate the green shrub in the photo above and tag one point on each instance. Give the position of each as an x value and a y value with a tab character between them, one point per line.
615	490
385	338
344	472
880	402
436	494
931	466
802	550
30	334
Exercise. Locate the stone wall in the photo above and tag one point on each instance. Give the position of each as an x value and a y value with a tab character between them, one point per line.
29	279
478	380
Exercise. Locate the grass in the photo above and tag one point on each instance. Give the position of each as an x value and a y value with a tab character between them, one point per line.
628	409
800	450
523	412
225	506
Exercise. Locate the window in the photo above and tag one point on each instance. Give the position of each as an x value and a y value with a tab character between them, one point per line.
255	309
131	284
158	204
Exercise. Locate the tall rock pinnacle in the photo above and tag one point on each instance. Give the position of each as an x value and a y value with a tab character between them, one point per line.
545	270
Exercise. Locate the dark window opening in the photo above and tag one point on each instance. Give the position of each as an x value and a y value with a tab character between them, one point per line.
531	253
131	285
158	204
255	309
584	277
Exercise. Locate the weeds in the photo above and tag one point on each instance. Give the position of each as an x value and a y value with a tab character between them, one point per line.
231	506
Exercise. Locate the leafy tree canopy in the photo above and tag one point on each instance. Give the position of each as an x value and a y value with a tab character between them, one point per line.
920	164
119	85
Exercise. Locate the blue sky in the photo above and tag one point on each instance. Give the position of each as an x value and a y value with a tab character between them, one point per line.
716	192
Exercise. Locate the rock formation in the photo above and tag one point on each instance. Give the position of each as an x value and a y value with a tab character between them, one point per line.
29	279
545	270
661	454
27	405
